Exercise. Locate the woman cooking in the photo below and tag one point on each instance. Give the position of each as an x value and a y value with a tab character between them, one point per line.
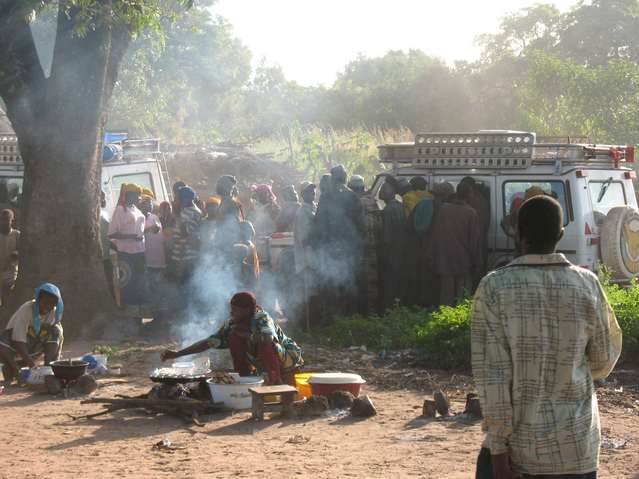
257	344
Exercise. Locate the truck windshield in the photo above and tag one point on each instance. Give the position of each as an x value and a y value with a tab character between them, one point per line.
606	195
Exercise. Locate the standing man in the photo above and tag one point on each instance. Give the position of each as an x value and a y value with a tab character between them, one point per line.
186	246
126	232
290	206
393	240
155	255
347	230
369	271
542	331
301	235
455	247
9	238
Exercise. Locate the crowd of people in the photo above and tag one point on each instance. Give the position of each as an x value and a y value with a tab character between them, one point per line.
352	254
541	328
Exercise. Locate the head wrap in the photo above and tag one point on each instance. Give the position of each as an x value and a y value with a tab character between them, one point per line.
245	299
128	188
177	185
165	207
186	195
357	183
264	193
146	202
443	189
225	184
59	308
339	174
147	192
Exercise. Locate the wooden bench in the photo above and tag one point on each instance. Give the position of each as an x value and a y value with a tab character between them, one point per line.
259	394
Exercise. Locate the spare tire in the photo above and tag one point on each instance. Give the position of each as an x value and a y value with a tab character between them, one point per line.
620	242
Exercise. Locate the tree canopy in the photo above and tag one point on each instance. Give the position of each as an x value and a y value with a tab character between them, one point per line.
556	72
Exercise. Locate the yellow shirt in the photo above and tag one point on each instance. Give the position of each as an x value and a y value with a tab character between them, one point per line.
542	330
411	199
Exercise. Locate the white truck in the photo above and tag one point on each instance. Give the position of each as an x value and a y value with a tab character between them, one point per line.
137	161
593	184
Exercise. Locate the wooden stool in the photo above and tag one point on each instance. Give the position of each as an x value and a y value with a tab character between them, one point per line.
287	393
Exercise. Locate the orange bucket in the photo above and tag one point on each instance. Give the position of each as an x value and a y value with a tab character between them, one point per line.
302	385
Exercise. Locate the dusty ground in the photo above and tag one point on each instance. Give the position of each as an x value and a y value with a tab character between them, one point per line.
38	438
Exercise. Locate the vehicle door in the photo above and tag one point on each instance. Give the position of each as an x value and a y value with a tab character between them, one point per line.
513	190
607	189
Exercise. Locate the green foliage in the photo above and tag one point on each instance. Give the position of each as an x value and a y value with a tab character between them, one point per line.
442	337
110	352
445	339
181	84
625	304
397	329
562	96
313	150
552	72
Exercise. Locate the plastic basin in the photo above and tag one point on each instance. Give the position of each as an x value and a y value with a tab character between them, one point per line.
324	384
235	396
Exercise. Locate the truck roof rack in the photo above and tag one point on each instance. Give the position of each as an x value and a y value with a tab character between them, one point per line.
137	148
497	149
9	152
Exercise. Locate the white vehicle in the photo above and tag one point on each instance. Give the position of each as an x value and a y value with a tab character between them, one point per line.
593	184
138	161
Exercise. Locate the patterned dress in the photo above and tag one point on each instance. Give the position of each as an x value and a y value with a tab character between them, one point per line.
249	344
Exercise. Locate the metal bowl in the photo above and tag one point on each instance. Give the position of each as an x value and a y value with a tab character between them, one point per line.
69	370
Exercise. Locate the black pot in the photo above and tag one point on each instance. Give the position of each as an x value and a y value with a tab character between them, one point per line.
69	370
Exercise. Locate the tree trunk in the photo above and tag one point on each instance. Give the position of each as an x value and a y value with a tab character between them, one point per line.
59	145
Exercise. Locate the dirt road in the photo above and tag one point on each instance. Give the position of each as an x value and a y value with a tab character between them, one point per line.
39	439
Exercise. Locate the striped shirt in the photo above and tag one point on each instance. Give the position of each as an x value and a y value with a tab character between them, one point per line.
542	330
186	245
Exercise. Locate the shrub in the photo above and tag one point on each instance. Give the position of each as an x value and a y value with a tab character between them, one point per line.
445	339
625	304
397	329
442	337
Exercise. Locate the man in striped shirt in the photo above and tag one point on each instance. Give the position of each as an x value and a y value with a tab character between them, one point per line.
542	331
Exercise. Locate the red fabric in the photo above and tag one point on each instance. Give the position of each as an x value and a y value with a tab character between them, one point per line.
270	363
245	299
239	352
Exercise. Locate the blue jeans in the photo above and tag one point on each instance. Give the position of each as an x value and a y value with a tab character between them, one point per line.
485	470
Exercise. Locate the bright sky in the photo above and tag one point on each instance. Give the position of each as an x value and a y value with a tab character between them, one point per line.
314	39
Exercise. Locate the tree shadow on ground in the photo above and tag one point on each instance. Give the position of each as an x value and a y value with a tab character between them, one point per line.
32	398
250	426
121	425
